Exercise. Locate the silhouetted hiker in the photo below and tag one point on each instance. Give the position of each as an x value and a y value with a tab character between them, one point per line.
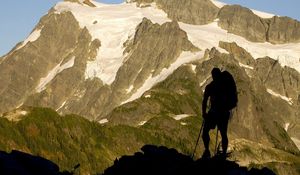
222	95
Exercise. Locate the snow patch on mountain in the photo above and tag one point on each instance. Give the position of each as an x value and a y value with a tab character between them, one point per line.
62	105
208	36
218	3
286	126
262	14
181	116
296	141
287	99
15	116
113	25
246	66
103	121
193	67
185	57
142	123
56	70
129	89
32	37
204	81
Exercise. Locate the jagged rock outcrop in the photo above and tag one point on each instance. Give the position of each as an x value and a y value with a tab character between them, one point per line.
238	52
285	82
153	48
162	44
281	82
283	30
242	21
187	11
253	106
70	83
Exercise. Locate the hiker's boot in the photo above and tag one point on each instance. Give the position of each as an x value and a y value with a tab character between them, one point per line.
222	155
206	154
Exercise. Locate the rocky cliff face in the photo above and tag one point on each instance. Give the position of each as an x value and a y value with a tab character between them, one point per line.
283	30
26	68
242	21
268	76
189	11
152	49
167	42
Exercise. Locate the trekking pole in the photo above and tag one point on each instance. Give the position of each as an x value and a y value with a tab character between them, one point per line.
198	139
216	141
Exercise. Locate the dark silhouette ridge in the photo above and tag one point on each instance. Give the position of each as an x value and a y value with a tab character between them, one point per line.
154	160
20	163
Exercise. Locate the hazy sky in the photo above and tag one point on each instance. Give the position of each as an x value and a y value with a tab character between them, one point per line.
18	18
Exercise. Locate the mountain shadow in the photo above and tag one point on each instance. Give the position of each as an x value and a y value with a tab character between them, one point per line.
20	163
154	160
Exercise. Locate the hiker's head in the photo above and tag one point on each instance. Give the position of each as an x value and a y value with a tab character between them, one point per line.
216	73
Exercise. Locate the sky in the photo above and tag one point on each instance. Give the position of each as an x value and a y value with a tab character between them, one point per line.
17	19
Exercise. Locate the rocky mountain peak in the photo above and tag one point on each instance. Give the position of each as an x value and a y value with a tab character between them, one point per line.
188	11
244	22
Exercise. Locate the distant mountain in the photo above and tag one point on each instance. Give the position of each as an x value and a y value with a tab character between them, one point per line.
131	63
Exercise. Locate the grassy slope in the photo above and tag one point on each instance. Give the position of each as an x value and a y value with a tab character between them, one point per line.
71	139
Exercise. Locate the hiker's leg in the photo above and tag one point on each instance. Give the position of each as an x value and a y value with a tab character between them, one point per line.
223	126
206	139
224	140
205	136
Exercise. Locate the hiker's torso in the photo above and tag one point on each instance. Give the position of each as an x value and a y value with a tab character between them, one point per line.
216	96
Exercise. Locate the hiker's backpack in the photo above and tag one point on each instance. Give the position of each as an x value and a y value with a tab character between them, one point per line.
230	91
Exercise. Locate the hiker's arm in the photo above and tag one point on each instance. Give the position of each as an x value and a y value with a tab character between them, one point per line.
204	102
